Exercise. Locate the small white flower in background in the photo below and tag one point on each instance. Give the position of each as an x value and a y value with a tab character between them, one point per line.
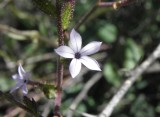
78	54
21	79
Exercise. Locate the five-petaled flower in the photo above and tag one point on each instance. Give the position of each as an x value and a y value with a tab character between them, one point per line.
22	80
78	54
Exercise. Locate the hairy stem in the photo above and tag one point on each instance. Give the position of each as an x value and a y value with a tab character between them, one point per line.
60	66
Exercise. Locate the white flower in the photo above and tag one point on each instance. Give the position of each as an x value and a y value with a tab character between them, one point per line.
79	55
22	80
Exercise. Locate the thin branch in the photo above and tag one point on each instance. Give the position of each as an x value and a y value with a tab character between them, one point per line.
86	16
84	114
30	34
14	112
99	3
129	82
47	107
116	4
83	93
34	35
4	3
71	82
32	60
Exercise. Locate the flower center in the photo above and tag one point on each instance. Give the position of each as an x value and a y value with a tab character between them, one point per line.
77	55
25	81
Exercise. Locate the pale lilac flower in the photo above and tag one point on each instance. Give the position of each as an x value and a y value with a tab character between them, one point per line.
21	79
78	54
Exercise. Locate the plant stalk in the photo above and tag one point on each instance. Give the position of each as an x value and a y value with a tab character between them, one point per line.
60	66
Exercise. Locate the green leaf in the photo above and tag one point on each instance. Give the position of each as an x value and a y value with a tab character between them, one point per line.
108	33
31	104
111	74
67	13
49	91
133	53
46	6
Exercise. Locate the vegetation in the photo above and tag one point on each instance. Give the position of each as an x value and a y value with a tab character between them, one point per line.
30	30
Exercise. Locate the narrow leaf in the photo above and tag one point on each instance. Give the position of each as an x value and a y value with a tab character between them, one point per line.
67	12
9	97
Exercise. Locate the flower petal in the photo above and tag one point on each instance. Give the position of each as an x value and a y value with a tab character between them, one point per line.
75	41
90	63
65	52
91	48
21	71
24	89
75	67
15	77
18	85
26	76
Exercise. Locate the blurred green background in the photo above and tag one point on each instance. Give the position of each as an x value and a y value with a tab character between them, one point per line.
129	34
